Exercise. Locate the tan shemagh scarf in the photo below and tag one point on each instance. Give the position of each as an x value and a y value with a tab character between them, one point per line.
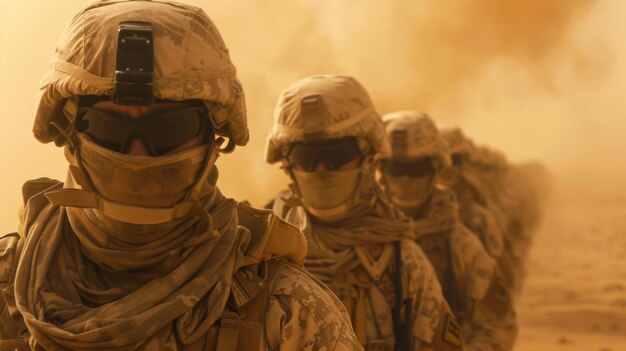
87	283
441	213
331	248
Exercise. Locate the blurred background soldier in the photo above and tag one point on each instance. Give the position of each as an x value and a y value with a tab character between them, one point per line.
326	134
512	194
472	200
470	278
138	249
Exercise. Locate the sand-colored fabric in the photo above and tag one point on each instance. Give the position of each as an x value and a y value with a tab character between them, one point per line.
191	61
458	142
488	318
11	325
322	322
303	314
324	107
140	180
330	248
414	135
96	287
440	214
346	256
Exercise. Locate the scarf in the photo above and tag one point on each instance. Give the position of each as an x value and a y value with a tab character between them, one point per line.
85	282
331	247
440	214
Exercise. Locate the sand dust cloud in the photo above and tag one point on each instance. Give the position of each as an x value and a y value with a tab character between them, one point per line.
536	79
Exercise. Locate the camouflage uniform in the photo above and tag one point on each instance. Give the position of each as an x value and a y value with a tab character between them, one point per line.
149	272
470	278
473	203
512	194
362	248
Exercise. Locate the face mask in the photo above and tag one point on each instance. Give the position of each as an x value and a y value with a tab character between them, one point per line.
332	195
141	180
326	189
450	175
407	191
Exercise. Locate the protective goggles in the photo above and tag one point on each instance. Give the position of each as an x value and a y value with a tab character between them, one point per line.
419	168
161	131
334	154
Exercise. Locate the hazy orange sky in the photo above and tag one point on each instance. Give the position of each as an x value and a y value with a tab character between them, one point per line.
536	79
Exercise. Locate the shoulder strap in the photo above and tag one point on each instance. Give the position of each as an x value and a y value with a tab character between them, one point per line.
402	329
241	327
33	194
272	236
437	248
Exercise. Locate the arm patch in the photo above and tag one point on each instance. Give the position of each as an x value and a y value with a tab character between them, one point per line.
449	335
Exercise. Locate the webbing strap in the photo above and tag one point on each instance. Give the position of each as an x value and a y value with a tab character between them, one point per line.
229	331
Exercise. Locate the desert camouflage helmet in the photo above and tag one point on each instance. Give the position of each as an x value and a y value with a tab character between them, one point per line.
321	108
414	135
458	142
489	158
191	61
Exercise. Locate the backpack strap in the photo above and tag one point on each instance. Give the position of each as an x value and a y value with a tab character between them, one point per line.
403	329
241	326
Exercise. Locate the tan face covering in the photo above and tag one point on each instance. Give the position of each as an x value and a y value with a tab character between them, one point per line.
137	189
408	192
141	180
333	196
327	189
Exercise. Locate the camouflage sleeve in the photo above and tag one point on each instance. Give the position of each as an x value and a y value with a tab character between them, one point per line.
491	323
434	326
482	222
304	315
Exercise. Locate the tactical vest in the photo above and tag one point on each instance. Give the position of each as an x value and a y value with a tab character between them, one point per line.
274	243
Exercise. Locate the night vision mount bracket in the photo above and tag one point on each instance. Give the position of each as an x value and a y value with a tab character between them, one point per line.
134	64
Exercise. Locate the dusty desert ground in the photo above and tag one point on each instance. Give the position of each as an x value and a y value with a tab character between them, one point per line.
574	296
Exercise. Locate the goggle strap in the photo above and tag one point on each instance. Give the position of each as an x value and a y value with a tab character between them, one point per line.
196	189
80	178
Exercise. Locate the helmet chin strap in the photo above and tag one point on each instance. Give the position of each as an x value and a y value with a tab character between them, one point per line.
80	193
359	195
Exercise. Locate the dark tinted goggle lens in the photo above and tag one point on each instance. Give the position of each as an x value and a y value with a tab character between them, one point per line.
161	131
334	154
420	168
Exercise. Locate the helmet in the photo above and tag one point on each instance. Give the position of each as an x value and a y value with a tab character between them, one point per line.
414	135
324	107
489	158
457	141
191	61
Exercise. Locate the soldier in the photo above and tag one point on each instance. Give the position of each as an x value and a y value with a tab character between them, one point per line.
469	277
515	193
138	249
326	135
473	203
